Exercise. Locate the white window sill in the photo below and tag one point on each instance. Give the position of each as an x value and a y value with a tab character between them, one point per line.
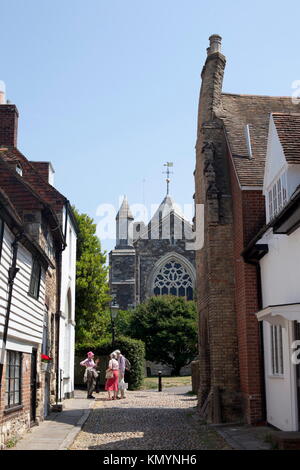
279	376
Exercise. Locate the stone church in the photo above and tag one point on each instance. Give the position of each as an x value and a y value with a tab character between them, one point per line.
152	259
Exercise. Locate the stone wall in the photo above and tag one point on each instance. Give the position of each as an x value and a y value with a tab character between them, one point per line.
149	252
152	369
14	423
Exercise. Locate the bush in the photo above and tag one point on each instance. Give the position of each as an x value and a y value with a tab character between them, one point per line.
132	349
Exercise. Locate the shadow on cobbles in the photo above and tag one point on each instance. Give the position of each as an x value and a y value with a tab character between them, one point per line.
159	428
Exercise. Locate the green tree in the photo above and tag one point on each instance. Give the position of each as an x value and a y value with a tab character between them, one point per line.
92	297
168	326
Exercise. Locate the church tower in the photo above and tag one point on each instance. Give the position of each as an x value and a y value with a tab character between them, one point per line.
122	260
124	221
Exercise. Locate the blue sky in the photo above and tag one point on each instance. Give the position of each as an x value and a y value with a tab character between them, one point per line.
108	90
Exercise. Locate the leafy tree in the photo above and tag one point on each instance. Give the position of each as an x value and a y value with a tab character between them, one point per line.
92	296
168	326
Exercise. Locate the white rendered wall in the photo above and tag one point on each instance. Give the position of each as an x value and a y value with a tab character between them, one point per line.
67	320
280	277
282	407
280	269
275	159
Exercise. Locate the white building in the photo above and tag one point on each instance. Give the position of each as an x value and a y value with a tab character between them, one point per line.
278	246
67	307
38	235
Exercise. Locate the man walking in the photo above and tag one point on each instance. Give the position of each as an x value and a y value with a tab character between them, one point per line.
122	366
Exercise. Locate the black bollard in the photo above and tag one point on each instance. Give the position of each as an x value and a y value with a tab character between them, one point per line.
159	382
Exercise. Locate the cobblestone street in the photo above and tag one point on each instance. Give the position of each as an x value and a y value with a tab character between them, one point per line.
147	420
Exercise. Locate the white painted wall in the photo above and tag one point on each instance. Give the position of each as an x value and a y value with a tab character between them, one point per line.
280	279
67	319
275	159
27	314
280	269
282	407
280	276
293	178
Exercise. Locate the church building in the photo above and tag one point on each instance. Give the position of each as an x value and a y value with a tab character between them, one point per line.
152	259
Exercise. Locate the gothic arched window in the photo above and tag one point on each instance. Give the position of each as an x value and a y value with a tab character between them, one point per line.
173	279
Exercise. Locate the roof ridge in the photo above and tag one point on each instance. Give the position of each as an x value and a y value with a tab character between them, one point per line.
256	96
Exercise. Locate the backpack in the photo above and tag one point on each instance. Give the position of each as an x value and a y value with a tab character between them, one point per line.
127	364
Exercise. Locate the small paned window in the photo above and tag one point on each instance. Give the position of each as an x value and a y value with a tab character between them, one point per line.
13	379
277	197
34	287
19	170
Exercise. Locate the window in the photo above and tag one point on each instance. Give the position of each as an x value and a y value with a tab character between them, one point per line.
35	279
173	279
45	349
277	196
276	350
13	379
19	169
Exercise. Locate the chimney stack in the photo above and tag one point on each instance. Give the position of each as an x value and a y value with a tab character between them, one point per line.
8	120
215	44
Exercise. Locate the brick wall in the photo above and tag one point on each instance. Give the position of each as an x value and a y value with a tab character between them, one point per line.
8	125
15	423
219	397
248	217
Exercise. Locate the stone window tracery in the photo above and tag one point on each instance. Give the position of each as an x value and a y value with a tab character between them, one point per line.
173	279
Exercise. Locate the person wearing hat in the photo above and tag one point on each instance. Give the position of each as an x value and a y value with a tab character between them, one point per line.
90	375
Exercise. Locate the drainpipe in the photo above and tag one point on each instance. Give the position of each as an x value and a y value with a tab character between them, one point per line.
12	271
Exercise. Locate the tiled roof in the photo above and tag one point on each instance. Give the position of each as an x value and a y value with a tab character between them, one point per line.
288	129
37	181
240	110
6	202
22	197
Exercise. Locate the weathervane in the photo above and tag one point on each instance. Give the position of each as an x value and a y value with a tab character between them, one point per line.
168	172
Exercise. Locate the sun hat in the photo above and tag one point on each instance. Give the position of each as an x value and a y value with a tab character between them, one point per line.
90	354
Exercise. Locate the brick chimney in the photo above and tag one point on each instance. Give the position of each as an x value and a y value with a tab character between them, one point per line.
8	122
212	81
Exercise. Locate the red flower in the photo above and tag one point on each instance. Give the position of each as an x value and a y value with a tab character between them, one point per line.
46	358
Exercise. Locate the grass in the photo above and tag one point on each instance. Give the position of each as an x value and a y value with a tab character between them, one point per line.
11	442
152	382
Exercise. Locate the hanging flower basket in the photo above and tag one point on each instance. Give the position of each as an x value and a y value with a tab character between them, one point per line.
46	363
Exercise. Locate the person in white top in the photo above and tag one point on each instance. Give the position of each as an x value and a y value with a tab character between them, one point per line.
111	384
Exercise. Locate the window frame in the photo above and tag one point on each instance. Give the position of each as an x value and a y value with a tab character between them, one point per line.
276	349
277	196
8	378
35	279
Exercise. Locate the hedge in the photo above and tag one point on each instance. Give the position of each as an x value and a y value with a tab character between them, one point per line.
132	349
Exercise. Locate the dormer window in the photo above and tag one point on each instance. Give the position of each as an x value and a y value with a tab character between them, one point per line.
277	197
19	169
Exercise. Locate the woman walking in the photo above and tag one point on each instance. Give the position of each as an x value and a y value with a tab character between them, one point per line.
112	373
90	375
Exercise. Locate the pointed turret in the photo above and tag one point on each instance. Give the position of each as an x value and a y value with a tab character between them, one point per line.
124	219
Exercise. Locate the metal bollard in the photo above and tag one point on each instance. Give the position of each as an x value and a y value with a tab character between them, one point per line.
159	382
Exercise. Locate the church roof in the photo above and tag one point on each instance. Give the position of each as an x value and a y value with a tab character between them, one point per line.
168	205
240	111
162	216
